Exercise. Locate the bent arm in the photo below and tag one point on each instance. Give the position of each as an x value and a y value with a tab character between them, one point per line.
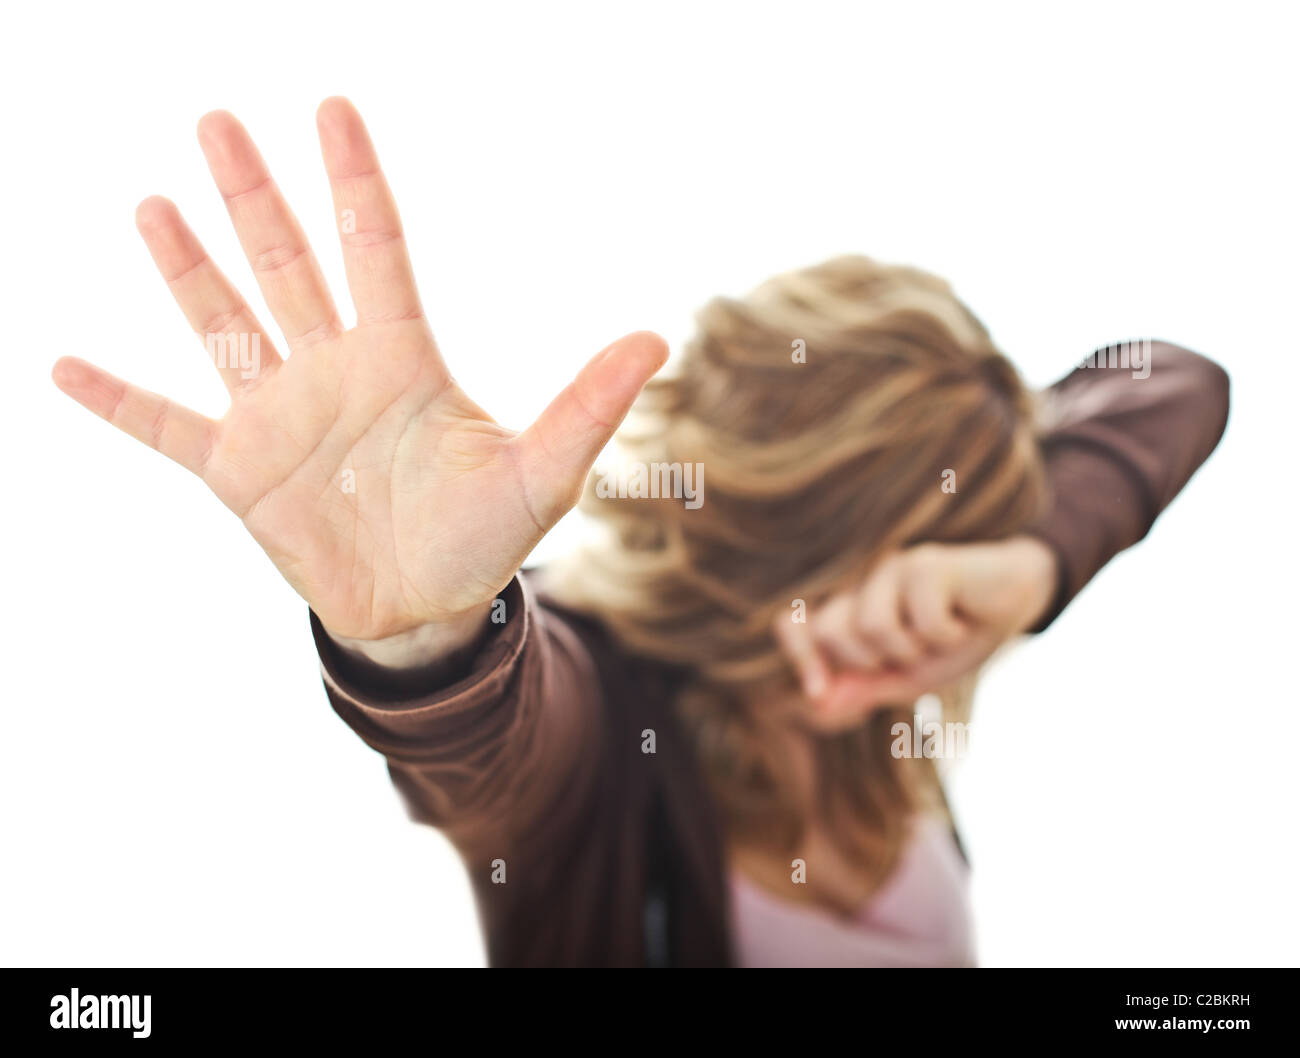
1119	447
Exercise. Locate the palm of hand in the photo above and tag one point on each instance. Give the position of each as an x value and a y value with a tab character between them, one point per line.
384	495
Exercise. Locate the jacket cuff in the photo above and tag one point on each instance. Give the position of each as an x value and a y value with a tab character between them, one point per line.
453	684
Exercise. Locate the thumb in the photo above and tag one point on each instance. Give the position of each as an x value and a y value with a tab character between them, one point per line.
800	647
557	451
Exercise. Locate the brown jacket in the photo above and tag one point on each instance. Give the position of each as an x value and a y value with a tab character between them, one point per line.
528	753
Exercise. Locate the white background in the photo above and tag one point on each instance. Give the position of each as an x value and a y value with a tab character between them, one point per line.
174	787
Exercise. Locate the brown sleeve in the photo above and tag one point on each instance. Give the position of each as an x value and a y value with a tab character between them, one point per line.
491	747
486	754
1119	447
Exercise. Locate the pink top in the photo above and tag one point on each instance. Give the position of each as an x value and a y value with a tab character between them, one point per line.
920	917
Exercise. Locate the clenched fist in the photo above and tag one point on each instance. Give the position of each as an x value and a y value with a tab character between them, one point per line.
924	617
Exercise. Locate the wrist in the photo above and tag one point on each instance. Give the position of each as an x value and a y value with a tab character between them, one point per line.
417	649
1040	573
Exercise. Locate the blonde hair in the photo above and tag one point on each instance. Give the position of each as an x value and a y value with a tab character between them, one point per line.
815	466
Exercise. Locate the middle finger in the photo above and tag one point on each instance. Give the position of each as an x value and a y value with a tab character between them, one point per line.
270	234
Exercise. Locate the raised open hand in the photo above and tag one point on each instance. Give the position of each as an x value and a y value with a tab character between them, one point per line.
385	496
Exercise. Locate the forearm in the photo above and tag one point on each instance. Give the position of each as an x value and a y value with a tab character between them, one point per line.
486	722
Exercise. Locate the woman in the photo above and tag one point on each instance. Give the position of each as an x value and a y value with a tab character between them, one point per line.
679	748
